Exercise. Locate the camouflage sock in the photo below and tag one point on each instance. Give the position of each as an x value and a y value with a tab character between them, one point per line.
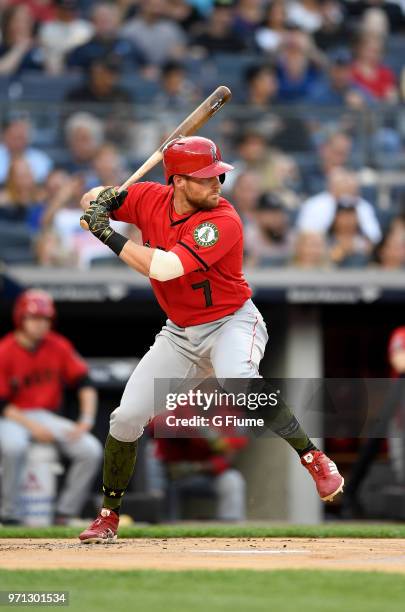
280	420
286	425
119	463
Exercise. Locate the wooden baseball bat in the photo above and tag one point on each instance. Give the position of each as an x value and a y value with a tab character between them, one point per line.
207	109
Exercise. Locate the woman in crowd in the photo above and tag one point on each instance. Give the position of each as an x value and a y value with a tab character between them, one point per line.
19	51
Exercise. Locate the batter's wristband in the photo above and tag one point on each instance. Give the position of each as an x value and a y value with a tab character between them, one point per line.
116	242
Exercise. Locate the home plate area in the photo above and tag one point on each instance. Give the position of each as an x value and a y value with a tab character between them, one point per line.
207	553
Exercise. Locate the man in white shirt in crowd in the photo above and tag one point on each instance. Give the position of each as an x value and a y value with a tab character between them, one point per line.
318	212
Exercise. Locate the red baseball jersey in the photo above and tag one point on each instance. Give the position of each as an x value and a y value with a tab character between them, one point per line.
209	244
35	379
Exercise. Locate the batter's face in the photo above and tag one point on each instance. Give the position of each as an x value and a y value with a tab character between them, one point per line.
197	193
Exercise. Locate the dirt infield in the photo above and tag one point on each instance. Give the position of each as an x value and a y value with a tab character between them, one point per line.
207	553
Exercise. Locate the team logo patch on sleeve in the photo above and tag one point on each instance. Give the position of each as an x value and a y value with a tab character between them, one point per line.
206	234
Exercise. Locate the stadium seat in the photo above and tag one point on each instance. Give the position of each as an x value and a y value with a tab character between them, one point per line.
142	90
4	89
15	243
395	53
37	87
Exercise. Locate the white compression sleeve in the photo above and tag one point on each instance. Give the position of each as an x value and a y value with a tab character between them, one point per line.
165	266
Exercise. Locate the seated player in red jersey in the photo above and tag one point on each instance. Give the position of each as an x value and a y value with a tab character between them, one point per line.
35	364
192	252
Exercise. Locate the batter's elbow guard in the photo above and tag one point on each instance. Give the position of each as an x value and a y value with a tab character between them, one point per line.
165	265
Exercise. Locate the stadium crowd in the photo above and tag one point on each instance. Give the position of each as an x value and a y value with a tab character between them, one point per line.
316	129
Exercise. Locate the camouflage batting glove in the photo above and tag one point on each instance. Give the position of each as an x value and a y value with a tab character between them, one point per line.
111	198
98	220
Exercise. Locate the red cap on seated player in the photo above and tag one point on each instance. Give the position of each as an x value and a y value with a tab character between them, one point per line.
194	156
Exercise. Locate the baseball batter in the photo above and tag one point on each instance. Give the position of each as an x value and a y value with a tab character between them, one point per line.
193	253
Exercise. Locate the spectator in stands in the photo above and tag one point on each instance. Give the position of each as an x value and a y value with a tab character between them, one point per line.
337	87
20	198
102	88
348	247
177	91
49	252
48	249
284	131
392	9
253	154
375	23
261	86
41	10
35	364
19	50
106	20
390	253
54	182
108	167
324	19
333	152
267	233
15	143
185	14
369	73
106	99
61	219
277	172
335	29
270	35
159	38
319	212
305	14
248	17
84	135
297	71
219	35
59	36
245	197
398	222
286	182
274	245
310	250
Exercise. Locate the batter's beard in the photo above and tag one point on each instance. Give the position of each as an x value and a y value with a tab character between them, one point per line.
202	203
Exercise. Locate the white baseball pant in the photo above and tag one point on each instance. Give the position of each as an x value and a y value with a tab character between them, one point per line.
230	347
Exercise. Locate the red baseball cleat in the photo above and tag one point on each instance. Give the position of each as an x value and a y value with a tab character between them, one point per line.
325	473
103	529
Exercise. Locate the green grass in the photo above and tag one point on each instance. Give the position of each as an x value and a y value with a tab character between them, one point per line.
209	591
325	530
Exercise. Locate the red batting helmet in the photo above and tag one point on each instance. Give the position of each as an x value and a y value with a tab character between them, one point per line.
397	340
194	156
33	302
